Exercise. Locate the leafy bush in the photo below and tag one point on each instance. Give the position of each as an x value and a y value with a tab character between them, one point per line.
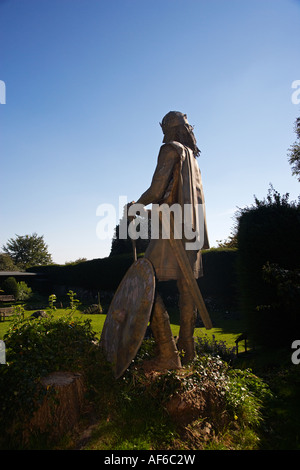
19	290
24	291
245	395
34	348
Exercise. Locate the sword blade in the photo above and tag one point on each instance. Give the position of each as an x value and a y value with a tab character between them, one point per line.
187	272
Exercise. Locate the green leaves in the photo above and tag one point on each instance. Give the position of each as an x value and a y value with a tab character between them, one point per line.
34	348
294	152
245	394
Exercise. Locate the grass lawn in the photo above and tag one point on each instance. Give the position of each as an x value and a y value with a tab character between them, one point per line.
225	329
97	320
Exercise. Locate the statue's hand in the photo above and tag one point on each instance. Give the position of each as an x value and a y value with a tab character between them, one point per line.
128	206
139	209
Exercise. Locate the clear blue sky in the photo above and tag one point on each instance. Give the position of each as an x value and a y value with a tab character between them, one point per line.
88	81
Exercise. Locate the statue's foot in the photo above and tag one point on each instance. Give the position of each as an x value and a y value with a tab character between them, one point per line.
162	363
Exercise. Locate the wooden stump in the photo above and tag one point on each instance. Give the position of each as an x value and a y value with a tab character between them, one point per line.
60	410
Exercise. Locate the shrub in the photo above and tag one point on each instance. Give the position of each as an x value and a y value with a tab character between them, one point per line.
10	287
24	292
19	290
245	395
207	345
34	348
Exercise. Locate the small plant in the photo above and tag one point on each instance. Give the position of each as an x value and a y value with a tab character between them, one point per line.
74	303
19	311
52	300
99	303
206	345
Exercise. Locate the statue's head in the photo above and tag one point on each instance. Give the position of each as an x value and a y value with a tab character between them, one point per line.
173	119
175	126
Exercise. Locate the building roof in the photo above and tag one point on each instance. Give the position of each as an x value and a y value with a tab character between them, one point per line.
17	273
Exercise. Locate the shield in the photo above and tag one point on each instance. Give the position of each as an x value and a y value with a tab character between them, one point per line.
128	316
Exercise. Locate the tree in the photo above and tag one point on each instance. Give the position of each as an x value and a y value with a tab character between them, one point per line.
27	251
77	261
230	242
6	263
294	152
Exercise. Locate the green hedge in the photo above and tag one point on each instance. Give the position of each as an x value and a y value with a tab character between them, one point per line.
105	274
219	281
97	274
268	235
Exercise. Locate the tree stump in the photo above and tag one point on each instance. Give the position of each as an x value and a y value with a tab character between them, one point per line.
60	410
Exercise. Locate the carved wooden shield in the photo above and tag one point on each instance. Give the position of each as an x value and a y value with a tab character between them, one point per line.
128	316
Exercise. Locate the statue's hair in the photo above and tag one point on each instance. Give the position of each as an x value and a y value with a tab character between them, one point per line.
184	136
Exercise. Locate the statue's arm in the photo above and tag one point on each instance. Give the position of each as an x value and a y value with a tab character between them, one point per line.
166	159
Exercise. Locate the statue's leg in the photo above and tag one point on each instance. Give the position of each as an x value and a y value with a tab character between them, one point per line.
168	357
186	342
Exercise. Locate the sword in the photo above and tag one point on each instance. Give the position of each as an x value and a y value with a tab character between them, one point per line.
187	271
131	218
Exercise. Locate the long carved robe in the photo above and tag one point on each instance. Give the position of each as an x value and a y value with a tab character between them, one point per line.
177	179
